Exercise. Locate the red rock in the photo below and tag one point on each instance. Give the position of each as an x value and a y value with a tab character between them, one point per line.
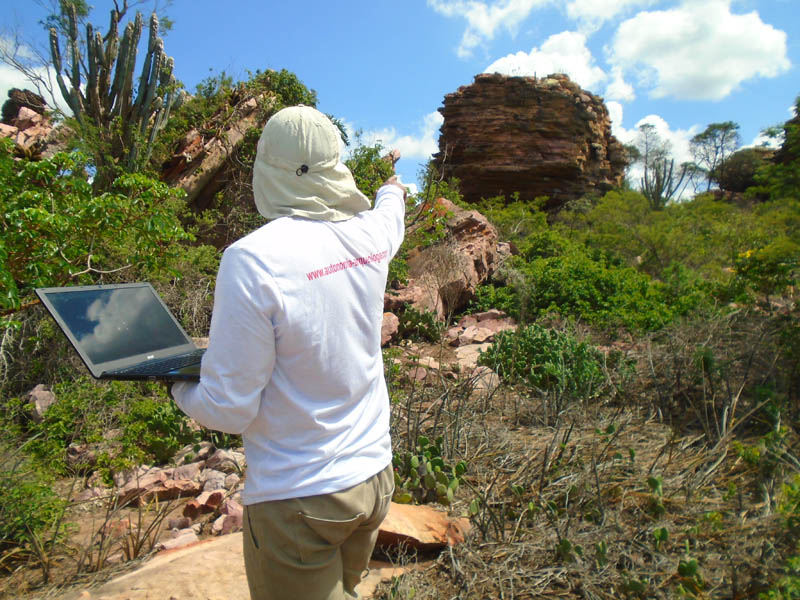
538	137
8	130
389	327
421	527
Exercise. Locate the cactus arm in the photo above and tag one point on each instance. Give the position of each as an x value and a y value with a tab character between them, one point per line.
152	86
149	76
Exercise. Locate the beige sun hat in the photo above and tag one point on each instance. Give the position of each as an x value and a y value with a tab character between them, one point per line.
298	172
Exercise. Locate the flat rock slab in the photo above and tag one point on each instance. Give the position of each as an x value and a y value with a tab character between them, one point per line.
421	527
209	570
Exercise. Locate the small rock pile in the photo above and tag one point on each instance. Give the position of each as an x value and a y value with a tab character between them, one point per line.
211	477
25	121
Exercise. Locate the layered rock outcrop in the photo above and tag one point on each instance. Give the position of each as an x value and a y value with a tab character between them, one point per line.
536	136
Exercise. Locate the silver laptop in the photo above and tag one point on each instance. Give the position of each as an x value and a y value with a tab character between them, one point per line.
123	331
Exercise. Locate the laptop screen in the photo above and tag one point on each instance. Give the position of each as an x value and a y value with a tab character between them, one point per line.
110	324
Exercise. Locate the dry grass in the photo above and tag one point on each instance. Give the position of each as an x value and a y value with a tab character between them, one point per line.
646	495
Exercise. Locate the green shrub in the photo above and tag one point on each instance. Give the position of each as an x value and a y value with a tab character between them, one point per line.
154	428
29	508
548	360
368	169
603	295
489	296
151	428
419	326
55	231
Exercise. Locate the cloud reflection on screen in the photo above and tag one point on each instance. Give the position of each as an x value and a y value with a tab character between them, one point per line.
114	324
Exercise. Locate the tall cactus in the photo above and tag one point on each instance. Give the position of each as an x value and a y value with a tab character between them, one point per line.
127	123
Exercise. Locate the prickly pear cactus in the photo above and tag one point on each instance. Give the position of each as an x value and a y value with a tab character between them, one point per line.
423	476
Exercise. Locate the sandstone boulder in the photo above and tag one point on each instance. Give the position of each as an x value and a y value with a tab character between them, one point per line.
389	327
41	398
536	136
443	277
420	527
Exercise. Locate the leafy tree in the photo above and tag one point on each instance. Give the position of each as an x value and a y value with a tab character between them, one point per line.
368	168
780	179
57	231
713	146
738	171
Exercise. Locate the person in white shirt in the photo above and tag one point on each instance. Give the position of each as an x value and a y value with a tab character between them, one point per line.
294	363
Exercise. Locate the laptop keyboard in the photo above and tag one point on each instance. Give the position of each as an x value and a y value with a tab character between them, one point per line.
165	365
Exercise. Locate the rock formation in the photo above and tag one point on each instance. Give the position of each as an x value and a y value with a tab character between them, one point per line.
25	122
443	277
536	136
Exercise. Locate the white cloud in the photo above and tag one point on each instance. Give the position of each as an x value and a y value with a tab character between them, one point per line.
418	147
564	52
699	50
13	78
485	18
619	89
593	13
765	141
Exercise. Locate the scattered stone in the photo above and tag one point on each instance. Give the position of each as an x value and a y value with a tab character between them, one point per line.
42	398
213	480
230	518
189	471
179	523
467	356
226	461
420	527
389	327
417	373
484	380
181	538
429	363
90	493
206	502
479	328
232	481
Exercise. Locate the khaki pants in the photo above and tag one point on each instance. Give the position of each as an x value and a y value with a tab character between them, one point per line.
317	547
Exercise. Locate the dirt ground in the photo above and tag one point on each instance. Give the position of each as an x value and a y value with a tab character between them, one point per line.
211	569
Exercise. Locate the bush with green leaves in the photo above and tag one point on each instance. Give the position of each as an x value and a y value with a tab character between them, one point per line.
29	508
369	170
770	268
548	360
420	326
423	476
57	232
151	428
603	294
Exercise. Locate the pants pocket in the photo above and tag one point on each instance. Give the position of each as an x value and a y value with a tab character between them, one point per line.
318	537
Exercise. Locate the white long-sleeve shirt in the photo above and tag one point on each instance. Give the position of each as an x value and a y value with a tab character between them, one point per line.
293	360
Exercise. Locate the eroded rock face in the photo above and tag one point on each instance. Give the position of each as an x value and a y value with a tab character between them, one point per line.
443	277
536	136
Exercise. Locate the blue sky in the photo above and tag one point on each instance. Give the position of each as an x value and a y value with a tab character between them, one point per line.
384	68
